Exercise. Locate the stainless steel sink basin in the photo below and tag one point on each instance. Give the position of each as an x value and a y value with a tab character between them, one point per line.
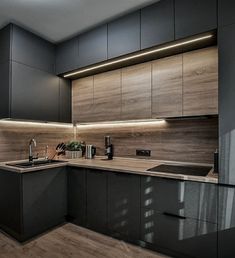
36	163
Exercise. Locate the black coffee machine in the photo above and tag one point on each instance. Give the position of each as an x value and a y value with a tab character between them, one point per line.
108	147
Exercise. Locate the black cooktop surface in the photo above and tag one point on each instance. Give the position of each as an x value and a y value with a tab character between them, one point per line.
181	169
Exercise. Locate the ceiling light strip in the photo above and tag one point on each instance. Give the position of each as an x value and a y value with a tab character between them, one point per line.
139	55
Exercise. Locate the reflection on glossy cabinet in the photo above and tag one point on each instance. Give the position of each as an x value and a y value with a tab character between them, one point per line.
82	99
167	87
226	226
136	91
107	96
200	82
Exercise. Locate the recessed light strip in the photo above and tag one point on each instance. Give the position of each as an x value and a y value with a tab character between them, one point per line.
140	55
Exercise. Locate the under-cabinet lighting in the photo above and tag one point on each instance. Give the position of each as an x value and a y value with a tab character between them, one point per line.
121	123
159	49
32	123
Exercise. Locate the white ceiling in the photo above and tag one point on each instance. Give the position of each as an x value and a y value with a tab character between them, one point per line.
57	20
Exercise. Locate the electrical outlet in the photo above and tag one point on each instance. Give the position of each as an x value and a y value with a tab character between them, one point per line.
143	153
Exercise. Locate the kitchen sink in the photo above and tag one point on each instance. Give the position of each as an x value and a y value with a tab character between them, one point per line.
36	163
190	170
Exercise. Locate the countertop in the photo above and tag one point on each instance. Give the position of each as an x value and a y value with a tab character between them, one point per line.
122	165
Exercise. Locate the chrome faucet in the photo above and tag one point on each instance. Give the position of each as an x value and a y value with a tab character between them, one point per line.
32	143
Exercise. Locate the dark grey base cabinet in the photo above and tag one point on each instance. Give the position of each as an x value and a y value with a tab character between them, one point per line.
226	227
32	203
179	217
124	206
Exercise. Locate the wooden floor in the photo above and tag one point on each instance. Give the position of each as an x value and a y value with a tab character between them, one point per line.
70	241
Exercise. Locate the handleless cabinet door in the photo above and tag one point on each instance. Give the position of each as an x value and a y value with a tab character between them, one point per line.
97	200
124	205
167	87
77	195
82	99
226	10
65	101
226	225
136	91
124	35
32	50
92	46
107	96
67	56
200	82
194	17
157	24
35	94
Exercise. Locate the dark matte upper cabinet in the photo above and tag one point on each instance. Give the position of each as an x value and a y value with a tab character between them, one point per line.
124	205
97	200
226	10
226	104
157	24
65	100
31	50
226	227
92	46
67	56
34	94
77	196
194	17
5	44
124	35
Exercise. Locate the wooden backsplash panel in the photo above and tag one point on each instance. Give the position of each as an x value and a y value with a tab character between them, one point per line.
14	139
192	140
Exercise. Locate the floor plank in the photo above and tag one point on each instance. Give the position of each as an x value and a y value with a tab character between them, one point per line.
70	241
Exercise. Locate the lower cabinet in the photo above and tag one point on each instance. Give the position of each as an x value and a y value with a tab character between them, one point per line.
97	200
226	225
124	206
179	217
77	196
36	201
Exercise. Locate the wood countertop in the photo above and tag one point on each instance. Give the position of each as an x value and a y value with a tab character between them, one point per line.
122	165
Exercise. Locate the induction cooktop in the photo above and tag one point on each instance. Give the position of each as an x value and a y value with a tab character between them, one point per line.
182	169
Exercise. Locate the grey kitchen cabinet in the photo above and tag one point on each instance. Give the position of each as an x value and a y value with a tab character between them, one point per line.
92	46
36	201
30	90
226	9
181	198
34	94
124	206
157	24
31	50
178	217
77	196
179	237
124	35
5	49
67	56
65	97
226	223
44	200
226	39
97	200
194	17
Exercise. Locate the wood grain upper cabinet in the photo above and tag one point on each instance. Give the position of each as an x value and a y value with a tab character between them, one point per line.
124	35
82	100
67	56
136	91
167	87
107	96
226	10
157	24
200	82
194	17
92	46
